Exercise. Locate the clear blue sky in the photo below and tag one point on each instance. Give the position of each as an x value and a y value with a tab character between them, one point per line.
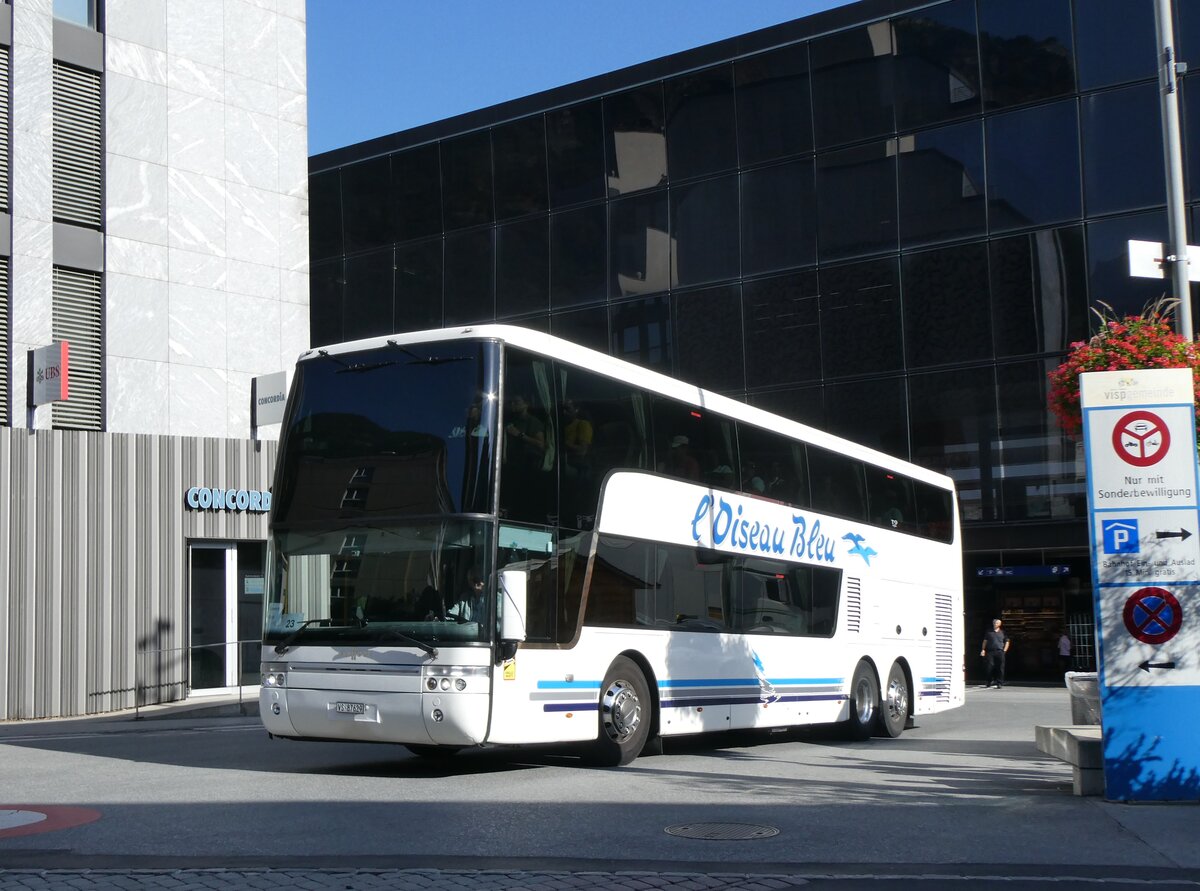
379	66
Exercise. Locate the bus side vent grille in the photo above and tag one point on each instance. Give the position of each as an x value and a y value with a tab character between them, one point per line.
943	641
854	605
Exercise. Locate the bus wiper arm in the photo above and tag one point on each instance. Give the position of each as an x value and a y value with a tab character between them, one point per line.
427	360
357	368
283	645
392	633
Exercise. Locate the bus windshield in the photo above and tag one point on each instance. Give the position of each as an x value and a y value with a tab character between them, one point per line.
378	585
395	431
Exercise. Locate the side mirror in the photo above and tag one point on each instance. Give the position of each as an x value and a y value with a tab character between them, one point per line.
513	585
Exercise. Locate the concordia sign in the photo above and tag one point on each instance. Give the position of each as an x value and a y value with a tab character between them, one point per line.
1140	435
251	500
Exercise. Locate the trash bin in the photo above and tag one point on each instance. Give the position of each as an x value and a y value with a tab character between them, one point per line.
1085	696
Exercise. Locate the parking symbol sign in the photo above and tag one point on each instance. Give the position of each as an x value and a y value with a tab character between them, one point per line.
1120	536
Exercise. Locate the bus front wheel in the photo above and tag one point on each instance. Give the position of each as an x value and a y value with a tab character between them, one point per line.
864	702
893	714
625	707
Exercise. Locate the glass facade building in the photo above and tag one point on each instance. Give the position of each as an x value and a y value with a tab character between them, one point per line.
889	222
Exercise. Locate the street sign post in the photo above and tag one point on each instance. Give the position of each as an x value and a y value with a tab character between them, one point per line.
1144	516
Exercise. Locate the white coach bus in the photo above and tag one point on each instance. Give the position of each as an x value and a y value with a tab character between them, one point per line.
488	535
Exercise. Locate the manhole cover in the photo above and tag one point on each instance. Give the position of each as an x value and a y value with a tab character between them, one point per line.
722	831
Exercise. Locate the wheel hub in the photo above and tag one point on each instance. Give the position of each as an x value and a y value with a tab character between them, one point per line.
622	711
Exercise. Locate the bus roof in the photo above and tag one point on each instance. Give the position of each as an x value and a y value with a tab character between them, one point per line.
654	381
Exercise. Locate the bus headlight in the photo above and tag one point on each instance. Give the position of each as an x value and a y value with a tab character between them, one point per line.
274	678
460	684
445	683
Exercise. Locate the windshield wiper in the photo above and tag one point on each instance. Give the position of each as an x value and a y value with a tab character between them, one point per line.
383	633
427	360
283	645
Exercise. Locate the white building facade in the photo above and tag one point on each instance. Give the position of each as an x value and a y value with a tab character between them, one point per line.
154	216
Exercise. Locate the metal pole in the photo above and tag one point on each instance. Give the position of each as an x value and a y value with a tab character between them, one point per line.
1177	251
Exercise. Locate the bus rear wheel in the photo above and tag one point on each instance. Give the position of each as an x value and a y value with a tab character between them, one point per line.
864	702
625	707
893	715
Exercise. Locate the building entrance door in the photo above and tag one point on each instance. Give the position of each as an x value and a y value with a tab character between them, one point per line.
226	589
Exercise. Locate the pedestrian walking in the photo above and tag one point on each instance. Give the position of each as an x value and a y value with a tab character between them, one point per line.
1064	650
995	646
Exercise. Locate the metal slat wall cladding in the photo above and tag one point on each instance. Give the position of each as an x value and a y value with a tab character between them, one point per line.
4	341
76	319
77	149
4	124
93	559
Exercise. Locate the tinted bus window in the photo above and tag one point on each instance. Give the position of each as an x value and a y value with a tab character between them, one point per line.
772	466
890	499
838	486
693	444
934	512
528	482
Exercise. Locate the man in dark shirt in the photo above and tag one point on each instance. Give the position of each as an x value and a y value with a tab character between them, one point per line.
995	645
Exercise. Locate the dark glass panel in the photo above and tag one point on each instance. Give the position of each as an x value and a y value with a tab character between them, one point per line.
1026	50
469	278
1109	280
523	267
953	420
1116	41
635	140
1189	109
1039	291
467	180
803	404
1033	166
873	413
586	327
693	444
575	153
1120	126
528	480
578	256
368	311
326	297
419	285
700	130
704	231
946	309
783	332
417	192
774	105
708	338
779	217
860	318
325	215
540	322
941	184
519	149
856	201
641	332
937	64
1042	478
641	245
852	84
365	206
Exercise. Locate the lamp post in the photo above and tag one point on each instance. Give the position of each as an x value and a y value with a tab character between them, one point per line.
1177	250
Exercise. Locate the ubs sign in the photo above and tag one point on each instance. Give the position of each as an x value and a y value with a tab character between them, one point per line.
250	500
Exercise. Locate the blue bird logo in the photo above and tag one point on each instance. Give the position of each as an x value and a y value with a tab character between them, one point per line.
767	693
859	550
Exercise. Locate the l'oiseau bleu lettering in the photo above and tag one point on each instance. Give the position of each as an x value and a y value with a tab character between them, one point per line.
731	527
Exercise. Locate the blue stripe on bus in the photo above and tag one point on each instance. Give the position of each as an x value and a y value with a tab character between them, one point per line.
751	700
746	682
568	685
570	707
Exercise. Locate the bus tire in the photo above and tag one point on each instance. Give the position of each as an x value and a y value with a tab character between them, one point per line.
894	709
864	702
625	706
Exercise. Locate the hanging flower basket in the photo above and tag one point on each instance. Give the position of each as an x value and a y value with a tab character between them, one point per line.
1147	340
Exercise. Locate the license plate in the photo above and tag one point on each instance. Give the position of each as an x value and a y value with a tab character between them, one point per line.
350	708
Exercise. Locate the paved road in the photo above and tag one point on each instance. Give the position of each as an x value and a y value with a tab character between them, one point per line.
211	802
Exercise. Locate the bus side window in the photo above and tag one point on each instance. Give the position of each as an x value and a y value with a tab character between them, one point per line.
934	512
772	466
528	483
890	499
837	484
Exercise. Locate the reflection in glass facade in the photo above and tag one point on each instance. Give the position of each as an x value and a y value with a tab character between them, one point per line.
888	222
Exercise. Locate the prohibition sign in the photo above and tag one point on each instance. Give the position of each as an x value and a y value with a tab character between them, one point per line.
1141	438
1153	615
